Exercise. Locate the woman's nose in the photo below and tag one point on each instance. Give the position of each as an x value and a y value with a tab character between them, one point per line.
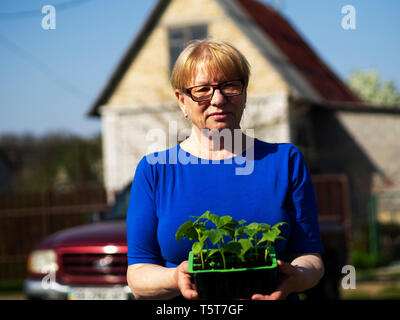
217	98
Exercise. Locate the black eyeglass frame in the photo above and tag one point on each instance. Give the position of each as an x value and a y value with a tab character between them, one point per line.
188	91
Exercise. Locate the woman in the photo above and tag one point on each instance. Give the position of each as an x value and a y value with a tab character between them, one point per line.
210	81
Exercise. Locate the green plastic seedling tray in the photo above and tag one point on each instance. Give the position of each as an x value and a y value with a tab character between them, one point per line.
233	283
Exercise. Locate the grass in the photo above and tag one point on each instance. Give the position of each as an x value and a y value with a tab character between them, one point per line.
374	284
11	285
11	289
376	290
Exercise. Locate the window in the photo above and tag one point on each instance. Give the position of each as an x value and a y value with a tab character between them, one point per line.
179	37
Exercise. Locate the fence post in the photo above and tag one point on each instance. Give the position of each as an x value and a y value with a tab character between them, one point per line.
373	226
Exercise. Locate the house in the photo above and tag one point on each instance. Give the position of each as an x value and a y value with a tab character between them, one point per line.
293	96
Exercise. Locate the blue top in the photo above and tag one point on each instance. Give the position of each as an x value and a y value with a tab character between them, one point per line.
172	185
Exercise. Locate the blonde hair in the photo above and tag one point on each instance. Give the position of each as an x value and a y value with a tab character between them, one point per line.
218	57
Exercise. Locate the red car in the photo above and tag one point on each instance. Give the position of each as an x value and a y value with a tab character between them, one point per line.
85	262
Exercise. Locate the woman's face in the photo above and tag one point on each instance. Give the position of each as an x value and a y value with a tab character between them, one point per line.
219	112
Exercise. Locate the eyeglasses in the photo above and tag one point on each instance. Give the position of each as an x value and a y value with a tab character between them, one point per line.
206	92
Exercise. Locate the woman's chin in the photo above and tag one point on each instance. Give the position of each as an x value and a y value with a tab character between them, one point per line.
221	125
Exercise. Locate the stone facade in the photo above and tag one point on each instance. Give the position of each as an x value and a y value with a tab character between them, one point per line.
378	134
358	143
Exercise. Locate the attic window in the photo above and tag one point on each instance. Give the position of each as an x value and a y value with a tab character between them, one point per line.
179	37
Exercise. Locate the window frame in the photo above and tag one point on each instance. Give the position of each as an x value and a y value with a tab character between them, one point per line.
188	32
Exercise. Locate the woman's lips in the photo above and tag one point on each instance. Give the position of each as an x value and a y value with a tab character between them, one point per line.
218	115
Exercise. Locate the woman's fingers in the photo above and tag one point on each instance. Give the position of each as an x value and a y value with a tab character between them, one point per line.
286	270
187	289
184	282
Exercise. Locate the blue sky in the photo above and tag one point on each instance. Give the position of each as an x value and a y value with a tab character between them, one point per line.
50	78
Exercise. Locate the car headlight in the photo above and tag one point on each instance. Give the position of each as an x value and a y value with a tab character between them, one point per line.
42	261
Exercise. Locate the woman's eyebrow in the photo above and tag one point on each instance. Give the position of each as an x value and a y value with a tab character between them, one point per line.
202	83
206	82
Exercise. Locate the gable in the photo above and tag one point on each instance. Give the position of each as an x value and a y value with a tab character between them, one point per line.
145	79
281	61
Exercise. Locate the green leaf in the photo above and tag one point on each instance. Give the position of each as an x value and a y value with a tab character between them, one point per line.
186	230
228	232
212	252
250	231
253	226
267	236
214	235
214	218
239	232
231	225
197	247
271	235
246	245
233	247
229	228
203	237
205	215
264	227
279	224
223	221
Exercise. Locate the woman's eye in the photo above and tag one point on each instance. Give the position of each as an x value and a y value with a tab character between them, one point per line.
203	89
231	85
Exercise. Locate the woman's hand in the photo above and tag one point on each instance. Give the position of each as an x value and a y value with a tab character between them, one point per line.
290	277
303	273
155	282
185	285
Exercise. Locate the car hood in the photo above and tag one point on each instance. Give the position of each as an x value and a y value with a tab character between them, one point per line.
103	233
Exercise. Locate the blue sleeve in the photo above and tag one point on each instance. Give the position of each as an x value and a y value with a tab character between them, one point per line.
305	236
141	221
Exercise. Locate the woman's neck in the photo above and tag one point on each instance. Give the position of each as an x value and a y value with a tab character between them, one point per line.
215	145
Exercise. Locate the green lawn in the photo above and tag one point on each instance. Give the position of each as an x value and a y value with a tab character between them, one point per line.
375	284
11	289
373	291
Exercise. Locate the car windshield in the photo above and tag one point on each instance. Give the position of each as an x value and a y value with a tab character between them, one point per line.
120	207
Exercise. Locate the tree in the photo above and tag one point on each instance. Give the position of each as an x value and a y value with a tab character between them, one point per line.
371	88
54	162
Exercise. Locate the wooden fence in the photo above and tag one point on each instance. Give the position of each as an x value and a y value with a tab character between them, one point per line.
26	219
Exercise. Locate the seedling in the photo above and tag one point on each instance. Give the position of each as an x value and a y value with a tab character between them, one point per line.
230	236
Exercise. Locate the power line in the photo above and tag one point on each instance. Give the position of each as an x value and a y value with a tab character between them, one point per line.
24	54
35	12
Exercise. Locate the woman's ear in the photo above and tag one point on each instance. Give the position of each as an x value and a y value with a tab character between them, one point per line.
179	96
181	100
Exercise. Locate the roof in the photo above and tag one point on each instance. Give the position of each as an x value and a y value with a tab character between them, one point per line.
129	56
307	75
300	56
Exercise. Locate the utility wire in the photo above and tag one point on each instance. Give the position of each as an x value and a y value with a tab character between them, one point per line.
34	13
45	69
